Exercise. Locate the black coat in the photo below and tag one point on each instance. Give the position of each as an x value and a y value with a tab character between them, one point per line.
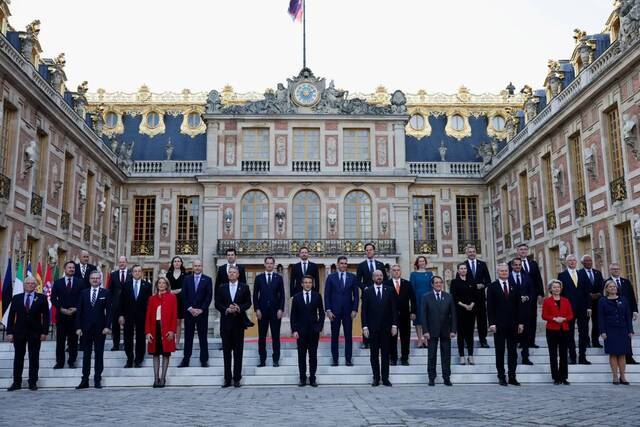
597	287
579	297
295	284
307	318
438	317
626	290
379	315
223	300
534	274
92	319
200	299
505	313
464	291
116	286
221	276
482	276
268	298
35	322
85	279
406	299
131	308
61	297
364	274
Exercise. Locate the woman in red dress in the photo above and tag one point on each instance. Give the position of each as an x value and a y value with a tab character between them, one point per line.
161	323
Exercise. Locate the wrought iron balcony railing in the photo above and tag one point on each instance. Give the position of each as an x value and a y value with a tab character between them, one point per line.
356	166
65	220
186	247
86	235
5	187
305	166
318	247
551	220
462	245
142	247
580	206
507	241
103	242
36	204
526	231
256	166
618	189
425	247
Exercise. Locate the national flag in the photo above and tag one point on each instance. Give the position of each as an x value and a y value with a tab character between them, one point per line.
18	288
29	273
107	284
56	272
48	284
296	9
39	278
7	289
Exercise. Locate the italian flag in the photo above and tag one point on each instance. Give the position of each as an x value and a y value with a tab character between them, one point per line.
18	288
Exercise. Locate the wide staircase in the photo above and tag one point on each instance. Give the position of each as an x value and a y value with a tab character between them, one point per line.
483	371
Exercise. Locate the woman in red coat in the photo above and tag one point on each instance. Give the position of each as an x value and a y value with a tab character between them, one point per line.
556	310
161	323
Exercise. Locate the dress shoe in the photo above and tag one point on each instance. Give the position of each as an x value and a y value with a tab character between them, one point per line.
393	363
184	364
565	382
572	362
348	363
624	382
261	365
616	382
375	383
276	364
226	384
156	383
97	384
14	387
72	365
534	346
313	383
597	345
114	348
448	382
204	364
163	382
527	362
584	361
364	346
470	360
502	382
236	384
631	361
128	365
138	364
387	383
432	383
557	382
463	361
404	362
513	381
33	387
83	384
334	363
484	345
302	383
58	366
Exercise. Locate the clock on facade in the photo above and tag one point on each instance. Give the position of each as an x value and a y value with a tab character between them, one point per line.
305	94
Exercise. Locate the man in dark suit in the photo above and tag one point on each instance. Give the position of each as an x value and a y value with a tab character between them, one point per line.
406	305
506	321
84	269
625	289
479	274
27	327
268	302
439	324
531	267
301	269
307	320
65	296
364	274
117	280
576	287
379	324
523	282
197	293
221	275
341	304
596	281
93	324
233	299
133	312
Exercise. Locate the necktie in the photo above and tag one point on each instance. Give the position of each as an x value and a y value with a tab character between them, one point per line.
304	268
83	268
122	277
618	282
269	279
307	297
68	283
342	280
136	288
397	285
473	267
371	266
196	281
590	276
526	265
574	278
505	289
438	296
379	292
518	279
93	296
27	304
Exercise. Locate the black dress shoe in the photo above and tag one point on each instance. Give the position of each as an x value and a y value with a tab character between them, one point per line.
83	384
334	363
58	366
448	382
527	362
557	382
484	345
261	365
302	383
276	364
375	383
387	383
33	387
624	382
129	365
584	362
72	365
14	387
97	384
565	382
114	348
404	363
313	383
204	364
363	346
631	361
349	363
597	346
502	382
572	362
184	364
163	382
393	363
226	384
156	383
432	383
534	346
236	384
138	364
513	381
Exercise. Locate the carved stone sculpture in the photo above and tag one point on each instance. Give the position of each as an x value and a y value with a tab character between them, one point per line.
98	120
52	252
229	152
443	151
629	134
102	204
82	192
332	219
381	150
446	222
281	150
280	217
169	149
635	222
30	156
332	150
228	220
214	102
563	250
556	178
629	14
384	220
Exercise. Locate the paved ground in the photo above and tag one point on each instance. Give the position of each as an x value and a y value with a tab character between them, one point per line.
476	405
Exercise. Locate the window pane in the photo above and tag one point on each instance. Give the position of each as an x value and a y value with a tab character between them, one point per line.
255	144
255	216
423	218
306	144
357	216
306	215
356	144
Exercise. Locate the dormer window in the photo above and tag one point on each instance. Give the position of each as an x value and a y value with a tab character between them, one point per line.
194	120
457	122
417	122
498	123
153	119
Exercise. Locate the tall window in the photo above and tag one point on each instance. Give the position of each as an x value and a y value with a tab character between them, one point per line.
356	144
107	208
67	193
255	216
523	184
255	144
357	216
467	222
506	223
144	223
306	215
548	191
627	261
40	167
577	168
9	116
88	212
423	218
306	144
616	169
188	215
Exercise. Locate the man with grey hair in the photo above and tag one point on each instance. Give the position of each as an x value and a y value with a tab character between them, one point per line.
84	269
117	280
576	287
407	308
596	281
197	294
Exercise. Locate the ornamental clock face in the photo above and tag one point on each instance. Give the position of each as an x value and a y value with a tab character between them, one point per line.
306	94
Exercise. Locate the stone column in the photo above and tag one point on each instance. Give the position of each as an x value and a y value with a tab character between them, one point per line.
403	235
399	145
212	145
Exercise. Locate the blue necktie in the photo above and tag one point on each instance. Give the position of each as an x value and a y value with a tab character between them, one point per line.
342	280
136	289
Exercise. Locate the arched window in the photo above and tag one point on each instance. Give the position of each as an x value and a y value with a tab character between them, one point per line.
255	216
357	215
306	215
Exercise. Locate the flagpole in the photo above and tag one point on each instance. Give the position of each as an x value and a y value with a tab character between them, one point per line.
304	35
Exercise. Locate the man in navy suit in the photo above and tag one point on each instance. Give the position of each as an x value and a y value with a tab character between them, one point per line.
596	280
506	321
84	269
65	296
307	320
301	269
523	282
364	274
197	293
27	327
93	324
479	274
576	287
625	289
531	267
133	314
268	302
407	308
116	283
233	299
341	305
222	274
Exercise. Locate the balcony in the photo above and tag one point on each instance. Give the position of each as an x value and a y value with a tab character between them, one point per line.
167	167
36	205
65	220
256	166
142	247
551	220
317	247
580	206
356	166
305	166
86	234
5	187
103	242
526	231
186	247
425	247
447	169
462	245
618	190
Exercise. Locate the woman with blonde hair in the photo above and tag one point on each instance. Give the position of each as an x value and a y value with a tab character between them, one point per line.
616	329
556	310
160	326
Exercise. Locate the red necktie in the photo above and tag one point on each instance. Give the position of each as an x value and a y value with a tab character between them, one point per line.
505	288
121	277
69	283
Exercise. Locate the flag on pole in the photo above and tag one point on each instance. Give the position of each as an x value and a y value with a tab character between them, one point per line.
39	278
107	284
296	10
53	307
48	284
18	288
7	289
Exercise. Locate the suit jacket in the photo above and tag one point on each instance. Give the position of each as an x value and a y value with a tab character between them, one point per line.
534	274
295	284
268	298
597	287
527	286
33	323
550	310
85	279
201	298
379	315
221	276
579	296
505	313
115	286
61	297
482	276
132	308
341	301
307	318
223	300
92	319
626	290
439	317
364	274
406	299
